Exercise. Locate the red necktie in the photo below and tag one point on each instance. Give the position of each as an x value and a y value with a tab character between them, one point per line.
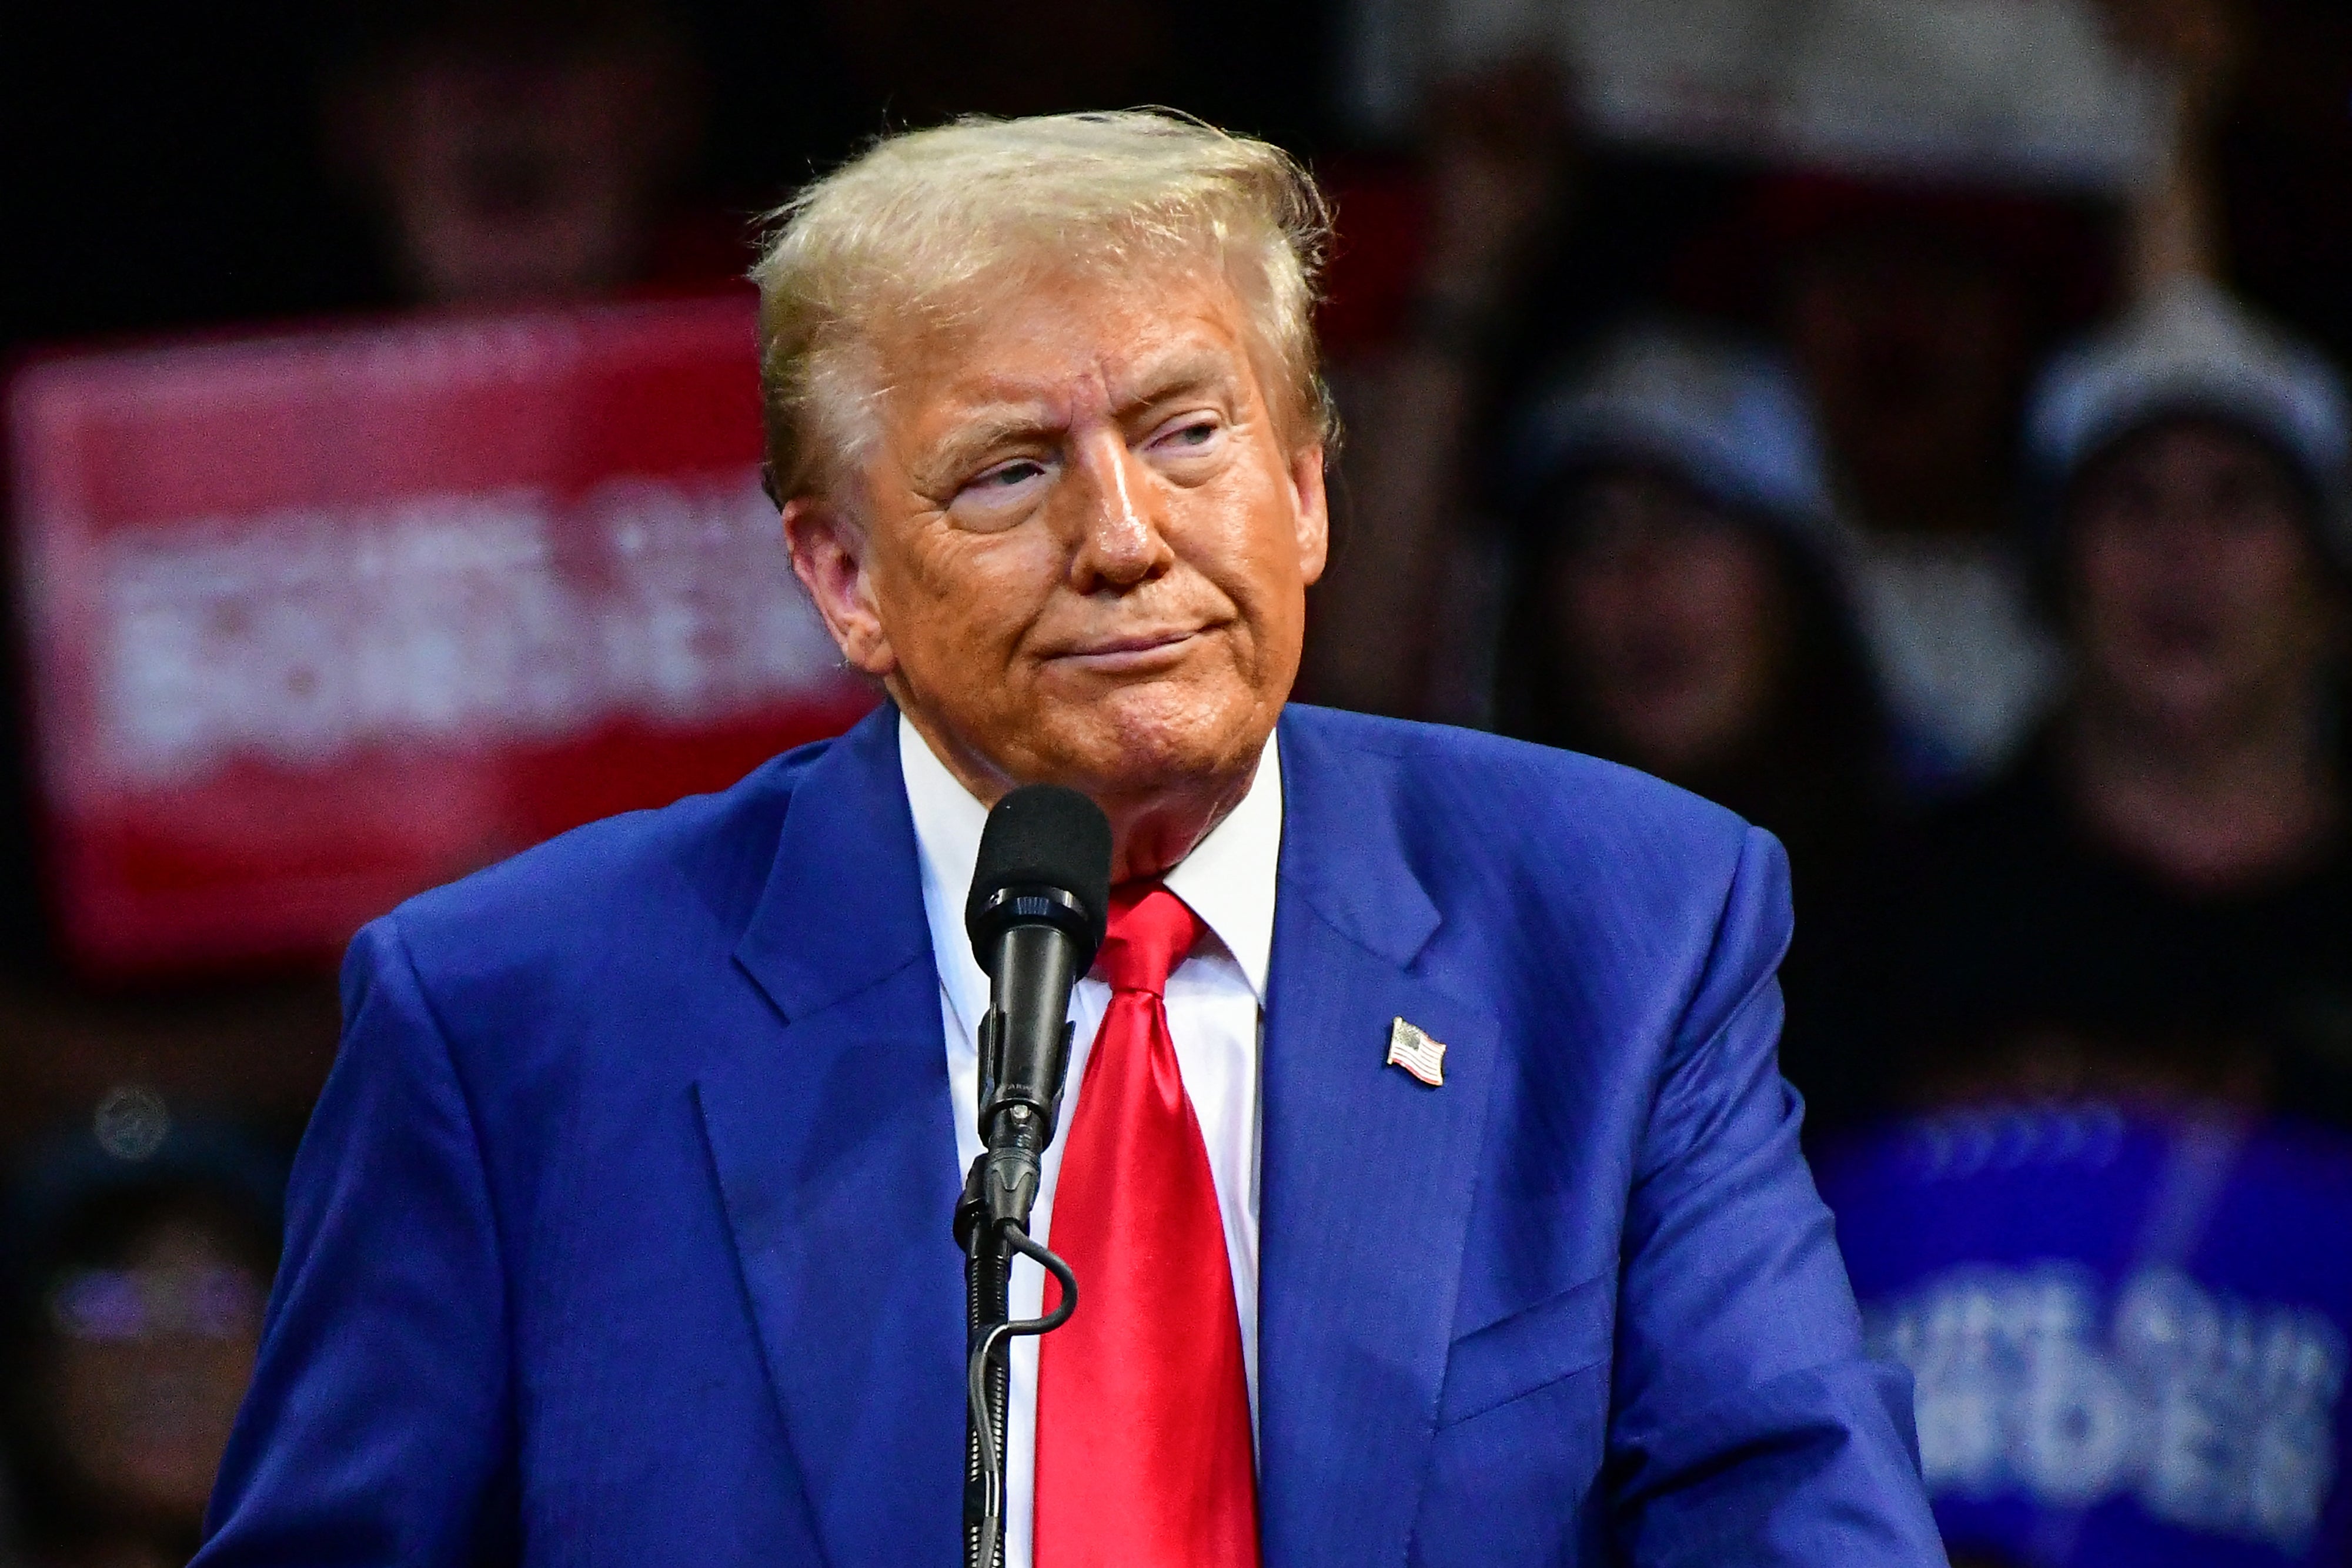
1144	1458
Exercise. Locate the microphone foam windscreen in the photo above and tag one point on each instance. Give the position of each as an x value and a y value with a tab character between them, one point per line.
1043	836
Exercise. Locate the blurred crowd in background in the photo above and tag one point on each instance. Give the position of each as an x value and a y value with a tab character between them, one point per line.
1979	522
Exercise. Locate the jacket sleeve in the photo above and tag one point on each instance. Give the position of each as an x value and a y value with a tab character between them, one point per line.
1747	1426
377	1430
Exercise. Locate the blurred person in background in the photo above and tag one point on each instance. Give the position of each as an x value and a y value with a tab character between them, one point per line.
1912	317
1404	616
520	150
2159	894
139	1260
1914	311
1678	603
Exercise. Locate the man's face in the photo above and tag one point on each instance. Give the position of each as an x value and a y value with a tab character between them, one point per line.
1913	356
1673	619
2198	598
1078	549
517	179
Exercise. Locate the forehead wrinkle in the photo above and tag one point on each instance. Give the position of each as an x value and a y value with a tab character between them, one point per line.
995	408
993	424
1189	367
965	434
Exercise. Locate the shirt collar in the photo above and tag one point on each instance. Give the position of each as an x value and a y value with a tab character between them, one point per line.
1228	879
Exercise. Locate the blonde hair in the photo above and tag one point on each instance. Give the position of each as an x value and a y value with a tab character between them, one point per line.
920	221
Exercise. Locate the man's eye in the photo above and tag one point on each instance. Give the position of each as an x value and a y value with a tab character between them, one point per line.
993	484
1200	432
1001	496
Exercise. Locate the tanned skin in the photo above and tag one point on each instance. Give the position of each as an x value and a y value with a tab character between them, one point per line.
1078	547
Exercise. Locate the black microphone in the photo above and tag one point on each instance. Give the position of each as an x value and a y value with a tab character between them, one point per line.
1040	901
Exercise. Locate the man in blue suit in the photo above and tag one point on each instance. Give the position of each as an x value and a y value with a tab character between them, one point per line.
621	1233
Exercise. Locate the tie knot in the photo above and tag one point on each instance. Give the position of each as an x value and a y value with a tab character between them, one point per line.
1151	929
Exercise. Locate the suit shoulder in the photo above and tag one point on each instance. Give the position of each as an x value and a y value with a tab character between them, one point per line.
705	856
1491	791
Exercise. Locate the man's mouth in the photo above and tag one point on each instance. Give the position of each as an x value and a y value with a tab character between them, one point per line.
2180	634
1130	649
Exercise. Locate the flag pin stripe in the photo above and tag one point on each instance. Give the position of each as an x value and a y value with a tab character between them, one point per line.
1410	1048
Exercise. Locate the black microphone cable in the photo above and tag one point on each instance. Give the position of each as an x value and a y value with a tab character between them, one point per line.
976	1370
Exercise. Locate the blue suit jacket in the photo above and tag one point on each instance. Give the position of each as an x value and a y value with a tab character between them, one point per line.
621	1233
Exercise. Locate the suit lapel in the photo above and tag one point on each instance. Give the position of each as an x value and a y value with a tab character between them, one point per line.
1366	1175
834	1144
832	1138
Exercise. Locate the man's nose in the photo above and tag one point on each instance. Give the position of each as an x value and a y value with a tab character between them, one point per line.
1120	539
2181	531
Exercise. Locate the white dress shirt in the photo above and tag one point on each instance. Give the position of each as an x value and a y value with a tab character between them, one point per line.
1217	1000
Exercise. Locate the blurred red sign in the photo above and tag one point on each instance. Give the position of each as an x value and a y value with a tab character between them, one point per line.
317	622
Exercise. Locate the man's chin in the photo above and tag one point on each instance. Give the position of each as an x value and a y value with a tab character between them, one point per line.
1146	737
2188	705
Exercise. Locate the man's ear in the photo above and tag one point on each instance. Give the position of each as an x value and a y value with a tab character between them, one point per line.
1313	510
829	556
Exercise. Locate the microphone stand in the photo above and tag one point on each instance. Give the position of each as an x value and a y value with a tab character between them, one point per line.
991	1220
987	1283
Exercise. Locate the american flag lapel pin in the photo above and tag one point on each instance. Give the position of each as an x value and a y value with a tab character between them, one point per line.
1410	1048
